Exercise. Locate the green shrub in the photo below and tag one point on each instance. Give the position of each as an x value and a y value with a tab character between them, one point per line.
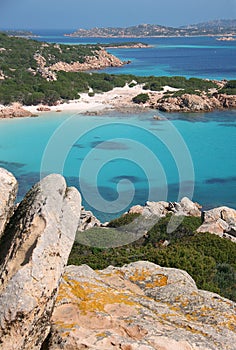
125	219
209	259
141	98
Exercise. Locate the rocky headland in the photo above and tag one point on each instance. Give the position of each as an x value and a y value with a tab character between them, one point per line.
45	305
196	103
99	60
45	79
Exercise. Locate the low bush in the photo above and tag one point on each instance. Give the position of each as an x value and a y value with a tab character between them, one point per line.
140	98
125	219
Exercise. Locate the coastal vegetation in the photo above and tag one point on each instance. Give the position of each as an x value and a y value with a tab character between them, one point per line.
209	259
229	88
140	98
28	74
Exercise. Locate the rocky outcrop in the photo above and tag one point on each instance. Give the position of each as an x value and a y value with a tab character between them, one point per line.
220	221
195	103
34	250
227	101
140	306
100	60
87	220
2	75
42	69
184	208
8	192
14	111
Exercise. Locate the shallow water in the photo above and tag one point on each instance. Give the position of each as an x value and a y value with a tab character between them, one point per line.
119	160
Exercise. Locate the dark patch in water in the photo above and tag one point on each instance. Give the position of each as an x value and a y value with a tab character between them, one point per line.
108	145
12	165
219	180
230	125
79	145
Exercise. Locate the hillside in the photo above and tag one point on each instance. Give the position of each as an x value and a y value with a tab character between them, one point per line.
32	72
218	27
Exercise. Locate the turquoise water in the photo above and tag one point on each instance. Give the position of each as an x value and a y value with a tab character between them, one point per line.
119	160
126	159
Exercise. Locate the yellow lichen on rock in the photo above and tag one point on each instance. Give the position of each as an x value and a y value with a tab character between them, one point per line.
159	281
91	297
151	281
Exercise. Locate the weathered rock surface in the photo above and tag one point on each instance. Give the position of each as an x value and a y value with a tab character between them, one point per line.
140	306
87	220
221	221
2	75
101	59
8	192
195	103
34	251
14	111
185	207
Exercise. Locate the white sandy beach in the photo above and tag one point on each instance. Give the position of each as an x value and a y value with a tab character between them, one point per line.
118	98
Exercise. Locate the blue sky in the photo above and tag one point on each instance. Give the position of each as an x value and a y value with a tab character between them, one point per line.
72	14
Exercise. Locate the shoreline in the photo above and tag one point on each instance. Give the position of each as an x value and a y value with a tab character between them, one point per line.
120	99
117	99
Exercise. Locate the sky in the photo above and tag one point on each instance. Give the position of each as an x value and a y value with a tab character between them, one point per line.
73	14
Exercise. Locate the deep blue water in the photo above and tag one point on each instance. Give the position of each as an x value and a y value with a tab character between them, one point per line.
118	160
203	57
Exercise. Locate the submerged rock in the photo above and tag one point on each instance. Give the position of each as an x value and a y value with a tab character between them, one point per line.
139	306
34	251
8	192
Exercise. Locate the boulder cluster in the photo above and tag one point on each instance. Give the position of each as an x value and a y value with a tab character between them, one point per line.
14	111
195	103
45	305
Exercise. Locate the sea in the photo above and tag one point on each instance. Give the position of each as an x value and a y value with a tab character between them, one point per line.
118	159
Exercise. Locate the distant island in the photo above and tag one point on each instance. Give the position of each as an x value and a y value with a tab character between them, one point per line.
21	33
217	27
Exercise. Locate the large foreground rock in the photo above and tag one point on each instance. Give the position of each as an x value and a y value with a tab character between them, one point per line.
34	251
140	306
8	192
